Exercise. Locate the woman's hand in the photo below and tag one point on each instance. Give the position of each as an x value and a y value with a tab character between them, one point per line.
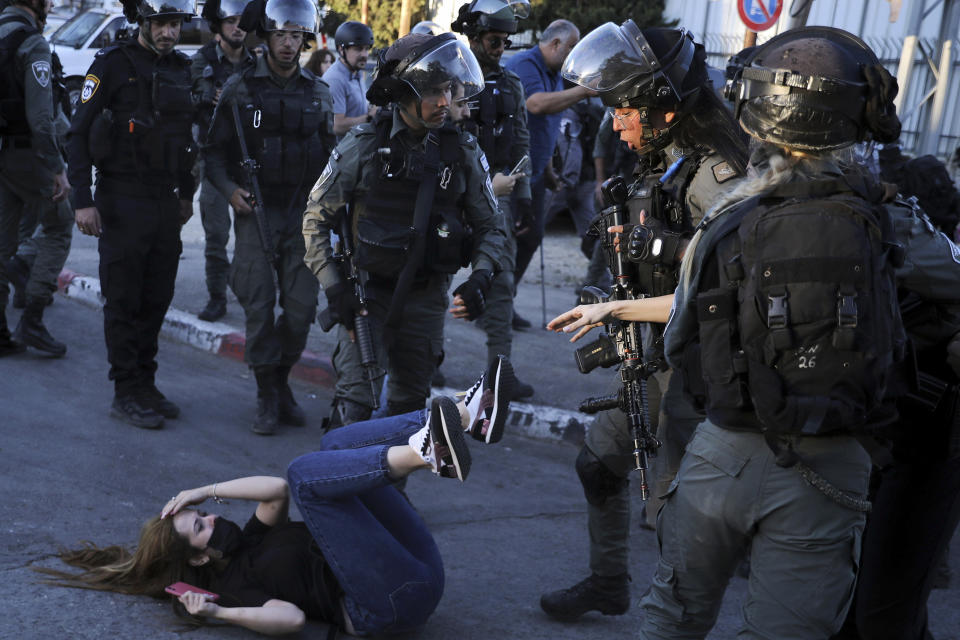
584	317
198	604
185	499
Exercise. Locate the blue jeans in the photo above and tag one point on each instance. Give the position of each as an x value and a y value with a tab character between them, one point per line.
376	544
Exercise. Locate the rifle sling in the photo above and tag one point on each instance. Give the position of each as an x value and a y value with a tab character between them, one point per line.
421	217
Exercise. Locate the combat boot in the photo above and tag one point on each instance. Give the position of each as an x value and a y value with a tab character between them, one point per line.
216	308
31	332
18	271
610	595
8	346
289	412
267	401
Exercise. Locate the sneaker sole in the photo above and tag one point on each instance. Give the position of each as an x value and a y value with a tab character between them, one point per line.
452	435
502	391
142	424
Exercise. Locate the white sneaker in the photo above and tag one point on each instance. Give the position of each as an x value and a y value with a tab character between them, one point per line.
488	401
441	443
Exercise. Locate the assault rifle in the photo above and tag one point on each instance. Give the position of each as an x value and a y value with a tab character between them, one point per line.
623	342
250	168
361	322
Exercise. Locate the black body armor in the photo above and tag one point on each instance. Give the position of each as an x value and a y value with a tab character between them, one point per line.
494	115
13	103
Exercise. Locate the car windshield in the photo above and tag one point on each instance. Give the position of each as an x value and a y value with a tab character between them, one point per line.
75	31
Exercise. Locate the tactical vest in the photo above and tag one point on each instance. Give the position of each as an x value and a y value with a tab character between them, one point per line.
286	133
149	122
13	103
220	70
662	195
799	326
494	115
385	220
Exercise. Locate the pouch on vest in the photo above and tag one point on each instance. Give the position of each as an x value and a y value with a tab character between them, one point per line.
382	247
447	239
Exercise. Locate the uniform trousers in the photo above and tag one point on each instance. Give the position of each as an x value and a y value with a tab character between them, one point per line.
215	216
139	256
729	497
497	317
273	340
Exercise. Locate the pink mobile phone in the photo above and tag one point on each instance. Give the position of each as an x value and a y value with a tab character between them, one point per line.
179	588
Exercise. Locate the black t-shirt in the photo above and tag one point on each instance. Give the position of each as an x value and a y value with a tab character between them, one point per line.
281	562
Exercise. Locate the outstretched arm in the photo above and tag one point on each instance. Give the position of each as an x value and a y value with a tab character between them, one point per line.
271	492
274	618
588	316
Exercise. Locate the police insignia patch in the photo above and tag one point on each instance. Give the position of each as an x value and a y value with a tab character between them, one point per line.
722	172
41	71
90	85
323	183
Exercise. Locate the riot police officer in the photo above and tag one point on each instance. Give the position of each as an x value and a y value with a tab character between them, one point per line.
775	469
353	40
498	118
691	152
211	66
410	169
32	172
286	124
133	123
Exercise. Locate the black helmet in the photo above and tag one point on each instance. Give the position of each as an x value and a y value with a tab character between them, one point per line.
814	88
427	27
138	10
353	34
263	16
417	63
214	11
479	16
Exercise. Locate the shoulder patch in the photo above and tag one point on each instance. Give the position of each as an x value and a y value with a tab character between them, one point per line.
484	163
41	71
722	171
90	85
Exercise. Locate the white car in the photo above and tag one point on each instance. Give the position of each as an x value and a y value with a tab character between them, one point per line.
78	39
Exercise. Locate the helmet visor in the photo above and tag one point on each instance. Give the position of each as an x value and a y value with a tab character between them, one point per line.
442	68
521	8
609	56
230	8
168	7
291	15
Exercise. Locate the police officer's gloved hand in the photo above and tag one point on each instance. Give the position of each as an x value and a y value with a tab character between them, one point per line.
473	292
342	304
653	243
953	354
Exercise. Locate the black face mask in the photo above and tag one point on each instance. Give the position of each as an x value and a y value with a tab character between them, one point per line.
227	537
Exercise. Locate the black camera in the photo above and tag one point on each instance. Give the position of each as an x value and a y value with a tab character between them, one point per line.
602	352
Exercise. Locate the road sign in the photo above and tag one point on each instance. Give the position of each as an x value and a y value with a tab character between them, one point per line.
759	15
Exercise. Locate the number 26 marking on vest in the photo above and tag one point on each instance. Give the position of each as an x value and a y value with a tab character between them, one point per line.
807	362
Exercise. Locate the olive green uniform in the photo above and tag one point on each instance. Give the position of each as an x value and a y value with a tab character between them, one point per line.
270	341
409	350
674	420
27	167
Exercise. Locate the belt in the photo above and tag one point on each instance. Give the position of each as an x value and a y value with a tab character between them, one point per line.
134	189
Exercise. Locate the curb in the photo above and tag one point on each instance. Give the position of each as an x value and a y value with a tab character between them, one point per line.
531	420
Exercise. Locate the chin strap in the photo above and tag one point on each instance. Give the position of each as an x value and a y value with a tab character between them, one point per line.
419	117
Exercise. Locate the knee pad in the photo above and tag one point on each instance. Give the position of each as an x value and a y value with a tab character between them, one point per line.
399	408
599	483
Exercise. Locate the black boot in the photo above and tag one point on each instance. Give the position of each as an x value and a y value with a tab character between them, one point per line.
610	595
8	346
216	308
267	401
289	412
18	271
31	332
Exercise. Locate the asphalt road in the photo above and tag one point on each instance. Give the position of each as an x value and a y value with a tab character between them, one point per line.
514	530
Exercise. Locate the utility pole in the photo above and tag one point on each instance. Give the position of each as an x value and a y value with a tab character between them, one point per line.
909	51
930	137
797	14
404	27
365	11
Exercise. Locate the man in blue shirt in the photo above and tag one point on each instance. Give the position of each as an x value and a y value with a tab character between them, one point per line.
539	71
350	107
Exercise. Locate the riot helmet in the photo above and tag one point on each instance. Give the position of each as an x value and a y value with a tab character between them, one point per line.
264	16
416	66
428	28
215	11
137	11
353	34
479	16
654	68
816	89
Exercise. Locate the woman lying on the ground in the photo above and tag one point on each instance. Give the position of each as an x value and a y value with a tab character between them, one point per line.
362	559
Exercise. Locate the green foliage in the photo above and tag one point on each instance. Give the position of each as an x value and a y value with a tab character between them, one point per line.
589	14
384	17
